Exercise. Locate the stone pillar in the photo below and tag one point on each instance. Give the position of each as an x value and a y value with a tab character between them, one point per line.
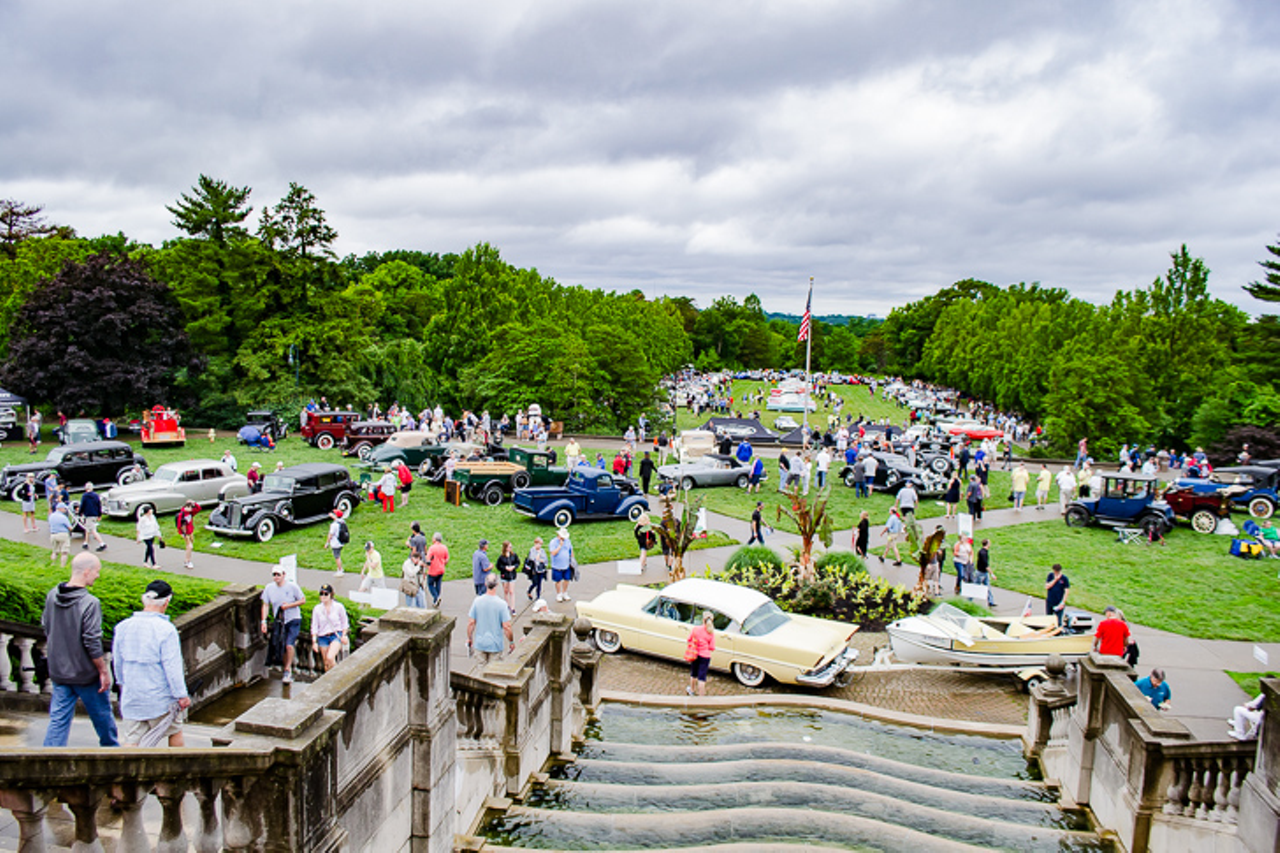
1259	811
1086	721
434	727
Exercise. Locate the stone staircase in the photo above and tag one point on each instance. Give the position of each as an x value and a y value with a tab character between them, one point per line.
732	787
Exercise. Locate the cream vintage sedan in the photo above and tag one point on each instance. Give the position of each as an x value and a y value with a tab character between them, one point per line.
755	639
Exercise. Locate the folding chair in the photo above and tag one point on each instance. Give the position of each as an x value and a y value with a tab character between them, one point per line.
1128	535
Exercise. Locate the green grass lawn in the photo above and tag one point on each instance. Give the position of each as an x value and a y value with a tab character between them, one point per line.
1190	586
462	527
1250	682
857	402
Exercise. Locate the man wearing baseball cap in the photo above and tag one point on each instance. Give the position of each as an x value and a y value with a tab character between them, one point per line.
147	658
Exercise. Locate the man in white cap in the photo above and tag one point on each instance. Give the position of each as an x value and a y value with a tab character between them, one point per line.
147	658
561	553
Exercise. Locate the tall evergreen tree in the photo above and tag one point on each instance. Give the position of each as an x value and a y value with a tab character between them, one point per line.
212	211
1268	291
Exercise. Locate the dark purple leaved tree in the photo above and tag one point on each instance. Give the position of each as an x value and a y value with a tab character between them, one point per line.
102	337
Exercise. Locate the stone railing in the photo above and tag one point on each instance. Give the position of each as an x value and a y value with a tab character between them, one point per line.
222	648
363	760
519	711
1140	771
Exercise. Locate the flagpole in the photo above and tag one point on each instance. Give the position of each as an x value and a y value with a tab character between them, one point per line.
808	380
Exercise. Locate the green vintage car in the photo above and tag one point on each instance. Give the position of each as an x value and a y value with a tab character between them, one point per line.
491	482
421	452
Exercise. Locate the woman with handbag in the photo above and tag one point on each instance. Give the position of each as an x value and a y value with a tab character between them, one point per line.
411	583
508	565
535	568
645	537
148	533
702	642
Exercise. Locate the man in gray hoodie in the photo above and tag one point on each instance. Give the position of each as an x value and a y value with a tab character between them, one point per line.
72	624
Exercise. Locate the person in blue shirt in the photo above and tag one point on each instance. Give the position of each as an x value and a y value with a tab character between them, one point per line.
744	451
1155	688
147	658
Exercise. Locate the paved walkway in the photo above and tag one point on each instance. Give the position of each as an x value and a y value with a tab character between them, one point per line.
1203	695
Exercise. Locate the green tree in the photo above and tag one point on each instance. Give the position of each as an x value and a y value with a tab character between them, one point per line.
297	226
1268	290
212	211
19	222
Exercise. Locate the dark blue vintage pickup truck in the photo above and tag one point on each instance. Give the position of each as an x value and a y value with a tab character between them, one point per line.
589	493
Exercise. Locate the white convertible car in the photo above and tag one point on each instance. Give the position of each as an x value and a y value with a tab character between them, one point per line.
755	639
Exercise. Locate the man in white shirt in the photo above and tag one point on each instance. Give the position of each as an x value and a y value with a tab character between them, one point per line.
823	464
1066	487
869	465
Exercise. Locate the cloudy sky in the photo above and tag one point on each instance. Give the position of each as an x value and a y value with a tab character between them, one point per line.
884	148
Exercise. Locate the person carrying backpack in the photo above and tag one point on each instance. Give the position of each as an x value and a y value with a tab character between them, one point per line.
339	535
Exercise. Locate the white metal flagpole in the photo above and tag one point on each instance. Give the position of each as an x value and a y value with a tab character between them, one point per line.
806	332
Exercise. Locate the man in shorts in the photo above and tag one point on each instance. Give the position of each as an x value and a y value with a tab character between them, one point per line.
91	509
282	599
147	658
488	622
60	534
333	539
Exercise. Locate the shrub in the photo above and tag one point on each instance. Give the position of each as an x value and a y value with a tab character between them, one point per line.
835	593
755	555
845	561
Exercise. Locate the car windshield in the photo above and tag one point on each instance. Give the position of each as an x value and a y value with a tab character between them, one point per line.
167	475
55	455
277	483
764	619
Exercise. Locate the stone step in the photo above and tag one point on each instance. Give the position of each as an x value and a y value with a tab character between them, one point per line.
643	776
546	828
982	824
699	760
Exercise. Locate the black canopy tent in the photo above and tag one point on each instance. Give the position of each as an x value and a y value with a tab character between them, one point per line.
10	400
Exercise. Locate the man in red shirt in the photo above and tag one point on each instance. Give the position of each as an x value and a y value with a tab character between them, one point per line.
1112	635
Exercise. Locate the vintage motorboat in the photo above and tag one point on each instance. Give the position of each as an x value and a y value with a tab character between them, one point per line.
949	636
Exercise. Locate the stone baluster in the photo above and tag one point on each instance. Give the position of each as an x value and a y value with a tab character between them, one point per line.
1194	792
172	837
129	797
26	665
1207	785
42	650
1177	790
83	803
1222	790
241	822
210	837
1238	771
6	665
28	810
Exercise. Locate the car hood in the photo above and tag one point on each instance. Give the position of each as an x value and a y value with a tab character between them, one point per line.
133	490
28	467
261	498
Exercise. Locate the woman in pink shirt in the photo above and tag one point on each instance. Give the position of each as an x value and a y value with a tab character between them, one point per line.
703	642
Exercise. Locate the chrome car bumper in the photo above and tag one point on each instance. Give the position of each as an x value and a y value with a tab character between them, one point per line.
826	675
228	531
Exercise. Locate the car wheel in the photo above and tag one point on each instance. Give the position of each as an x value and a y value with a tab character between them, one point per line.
265	530
941	465
608	641
743	481
473	491
748	675
346	505
562	518
363	449
129	475
892	480
141	509
1261	508
13	493
324	441
1204	521
1151	525
285	510
424	469
635	512
687	483
521	480
1077	517
850	480
493	495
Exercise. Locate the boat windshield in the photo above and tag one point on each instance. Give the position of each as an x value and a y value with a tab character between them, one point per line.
957	619
763	619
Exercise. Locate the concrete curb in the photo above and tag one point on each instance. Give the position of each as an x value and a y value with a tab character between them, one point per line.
822	703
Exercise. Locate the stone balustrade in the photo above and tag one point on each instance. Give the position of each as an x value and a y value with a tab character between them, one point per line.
1142	773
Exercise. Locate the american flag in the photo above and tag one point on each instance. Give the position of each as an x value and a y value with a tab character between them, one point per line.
804	321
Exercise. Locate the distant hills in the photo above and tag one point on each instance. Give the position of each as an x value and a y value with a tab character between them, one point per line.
830	319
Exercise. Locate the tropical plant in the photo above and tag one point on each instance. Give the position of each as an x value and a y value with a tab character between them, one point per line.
676	534
812	521
755	555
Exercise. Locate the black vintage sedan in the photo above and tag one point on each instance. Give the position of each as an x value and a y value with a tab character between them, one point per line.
290	497
103	463
893	471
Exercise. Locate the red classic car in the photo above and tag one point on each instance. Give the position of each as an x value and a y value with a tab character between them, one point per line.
1201	509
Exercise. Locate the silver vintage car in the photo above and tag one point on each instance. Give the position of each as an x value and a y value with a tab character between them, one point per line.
713	469
205	481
